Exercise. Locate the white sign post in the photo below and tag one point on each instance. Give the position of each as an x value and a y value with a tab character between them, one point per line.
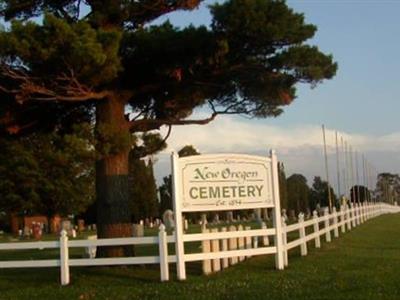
224	182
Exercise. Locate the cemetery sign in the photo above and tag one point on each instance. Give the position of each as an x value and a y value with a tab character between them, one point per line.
225	182
216	182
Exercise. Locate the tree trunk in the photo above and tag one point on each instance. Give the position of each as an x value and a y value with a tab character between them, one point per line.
113	213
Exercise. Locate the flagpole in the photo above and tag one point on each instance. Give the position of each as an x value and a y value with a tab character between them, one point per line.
326	169
352	190
344	168
337	165
357	177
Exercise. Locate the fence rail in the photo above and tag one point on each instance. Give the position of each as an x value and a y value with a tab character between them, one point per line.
218	247
65	262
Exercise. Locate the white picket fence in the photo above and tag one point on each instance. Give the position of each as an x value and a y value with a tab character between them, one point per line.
220	249
237	239
335	222
64	263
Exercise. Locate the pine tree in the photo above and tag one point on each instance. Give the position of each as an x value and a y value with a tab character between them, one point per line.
47	173
298	193
128	76
319	194
143	190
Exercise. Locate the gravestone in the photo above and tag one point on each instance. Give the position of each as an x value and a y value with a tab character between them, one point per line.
257	215
203	219
229	216
284	215
216	219
37	231
168	219
91	250
308	213
27	232
66	225
138	230
81	225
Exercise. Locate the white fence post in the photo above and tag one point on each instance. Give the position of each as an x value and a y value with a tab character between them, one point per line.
284	243
216	262
224	247
348	217
206	248
233	246
248	240
163	251
64	258
370	207
302	234
335	223
316	230
342	215
179	244
241	243
353	215
363	217
277	222
366	207
265	238
326	227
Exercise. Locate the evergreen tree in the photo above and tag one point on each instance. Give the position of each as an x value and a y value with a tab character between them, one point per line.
188	150
319	194
166	187
143	189
47	173
359	193
166	194
388	187
298	193
131	77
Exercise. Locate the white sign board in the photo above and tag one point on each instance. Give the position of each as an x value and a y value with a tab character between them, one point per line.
225	182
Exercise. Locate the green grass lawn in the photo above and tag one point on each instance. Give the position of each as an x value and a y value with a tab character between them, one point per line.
361	264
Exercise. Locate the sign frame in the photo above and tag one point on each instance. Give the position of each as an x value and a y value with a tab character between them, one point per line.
178	164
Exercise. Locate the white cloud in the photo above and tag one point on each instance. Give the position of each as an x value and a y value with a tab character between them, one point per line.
300	147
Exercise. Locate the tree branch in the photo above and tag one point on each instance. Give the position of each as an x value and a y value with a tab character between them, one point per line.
151	124
65	87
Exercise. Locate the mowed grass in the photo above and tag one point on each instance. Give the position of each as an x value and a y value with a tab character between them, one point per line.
362	264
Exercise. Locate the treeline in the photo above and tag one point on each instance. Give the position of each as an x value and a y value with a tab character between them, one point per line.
296	195
54	173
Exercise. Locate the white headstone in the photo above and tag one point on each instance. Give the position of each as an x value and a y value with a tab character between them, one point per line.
284	215
168	219
138	230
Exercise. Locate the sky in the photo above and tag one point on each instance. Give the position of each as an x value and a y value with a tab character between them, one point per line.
360	102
